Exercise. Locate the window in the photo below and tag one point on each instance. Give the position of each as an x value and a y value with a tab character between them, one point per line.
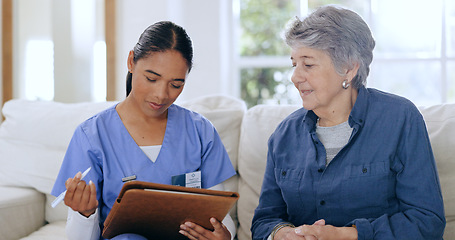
264	64
59	52
39	65
99	72
414	55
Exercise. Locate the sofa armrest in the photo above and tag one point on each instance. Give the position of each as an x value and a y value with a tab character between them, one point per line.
21	211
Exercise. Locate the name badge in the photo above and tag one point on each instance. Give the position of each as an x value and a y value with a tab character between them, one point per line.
129	178
192	180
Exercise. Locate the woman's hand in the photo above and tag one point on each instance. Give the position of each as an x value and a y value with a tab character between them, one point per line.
326	232
194	231
288	233
81	197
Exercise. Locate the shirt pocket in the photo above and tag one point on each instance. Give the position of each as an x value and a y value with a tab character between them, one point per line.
364	190
289	182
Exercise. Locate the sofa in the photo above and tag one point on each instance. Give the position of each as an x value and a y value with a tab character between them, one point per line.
34	136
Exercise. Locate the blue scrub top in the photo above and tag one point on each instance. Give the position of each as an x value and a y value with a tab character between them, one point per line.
102	142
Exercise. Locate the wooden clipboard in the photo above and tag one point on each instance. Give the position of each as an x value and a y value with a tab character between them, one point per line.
156	211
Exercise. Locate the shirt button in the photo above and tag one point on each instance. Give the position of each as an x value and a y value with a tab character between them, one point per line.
364	170
320	170
322	202
283	173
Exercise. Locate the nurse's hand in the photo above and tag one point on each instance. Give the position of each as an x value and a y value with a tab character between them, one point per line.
194	231
80	196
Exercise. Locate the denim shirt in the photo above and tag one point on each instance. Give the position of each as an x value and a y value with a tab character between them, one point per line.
384	180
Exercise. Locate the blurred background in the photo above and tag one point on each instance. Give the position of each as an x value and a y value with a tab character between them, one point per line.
59	47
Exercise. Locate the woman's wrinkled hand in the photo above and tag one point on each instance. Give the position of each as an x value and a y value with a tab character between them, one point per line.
321	231
289	233
194	231
80	196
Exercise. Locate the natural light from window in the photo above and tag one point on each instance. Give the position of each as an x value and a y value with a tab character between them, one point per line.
99	72
39	70
414	54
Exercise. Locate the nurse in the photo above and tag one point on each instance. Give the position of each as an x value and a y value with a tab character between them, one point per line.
145	137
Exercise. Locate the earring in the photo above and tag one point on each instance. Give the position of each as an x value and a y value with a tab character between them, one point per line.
345	84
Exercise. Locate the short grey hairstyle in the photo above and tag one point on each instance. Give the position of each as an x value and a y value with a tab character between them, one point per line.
341	33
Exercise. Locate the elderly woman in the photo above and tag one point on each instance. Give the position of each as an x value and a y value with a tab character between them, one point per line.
354	162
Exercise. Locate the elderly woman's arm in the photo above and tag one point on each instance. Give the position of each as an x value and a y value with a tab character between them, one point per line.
421	209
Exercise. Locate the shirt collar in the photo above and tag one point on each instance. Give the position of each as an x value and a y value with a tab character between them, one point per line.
359	111
311	119
356	117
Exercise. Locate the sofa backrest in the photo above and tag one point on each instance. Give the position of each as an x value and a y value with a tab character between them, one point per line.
440	121
258	124
33	140
35	134
226	114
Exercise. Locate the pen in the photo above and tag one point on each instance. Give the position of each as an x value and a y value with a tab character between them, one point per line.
62	195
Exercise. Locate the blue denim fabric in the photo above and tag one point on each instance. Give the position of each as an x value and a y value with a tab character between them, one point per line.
384	180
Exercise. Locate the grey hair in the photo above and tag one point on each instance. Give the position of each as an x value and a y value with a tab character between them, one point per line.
339	32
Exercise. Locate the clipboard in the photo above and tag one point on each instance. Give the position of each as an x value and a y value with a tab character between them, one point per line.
156	211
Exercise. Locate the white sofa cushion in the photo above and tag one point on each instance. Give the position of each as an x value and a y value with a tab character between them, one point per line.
21	212
226	114
51	231
34	138
258	124
45	122
440	121
33	141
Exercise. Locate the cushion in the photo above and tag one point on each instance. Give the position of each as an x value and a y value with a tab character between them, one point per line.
440	121
21	212
59	213
34	138
36	121
52	231
33	141
29	164
226	114
258	124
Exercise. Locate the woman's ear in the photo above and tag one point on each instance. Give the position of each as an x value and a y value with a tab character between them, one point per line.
352	72
130	61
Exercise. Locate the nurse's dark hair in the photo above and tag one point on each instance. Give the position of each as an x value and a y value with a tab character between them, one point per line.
160	37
